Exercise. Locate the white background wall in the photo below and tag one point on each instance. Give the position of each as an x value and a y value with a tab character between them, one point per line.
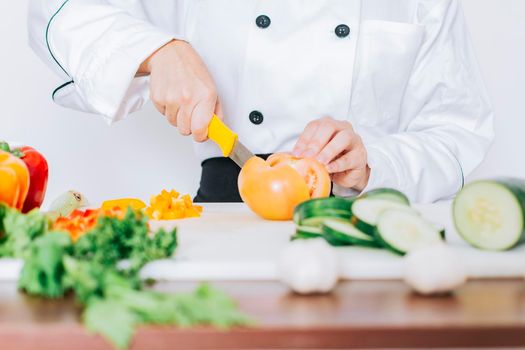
142	155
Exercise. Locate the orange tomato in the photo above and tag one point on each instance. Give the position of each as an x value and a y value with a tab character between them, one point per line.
313	172
273	188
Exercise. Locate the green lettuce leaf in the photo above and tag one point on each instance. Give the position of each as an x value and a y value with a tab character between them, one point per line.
112	320
43	272
209	306
113	240
112	293
19	230
3	211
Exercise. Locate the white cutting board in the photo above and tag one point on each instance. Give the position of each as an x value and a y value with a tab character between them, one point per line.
230	243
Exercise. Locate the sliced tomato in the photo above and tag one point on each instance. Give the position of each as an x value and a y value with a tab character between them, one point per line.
273	188
313	173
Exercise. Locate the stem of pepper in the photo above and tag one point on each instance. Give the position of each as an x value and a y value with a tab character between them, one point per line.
4	146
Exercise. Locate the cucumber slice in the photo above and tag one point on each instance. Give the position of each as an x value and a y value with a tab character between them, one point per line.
343	233
316	221
304	232
489	215
309	230
403	231
388	194
366	212
329	207
324	203
329	213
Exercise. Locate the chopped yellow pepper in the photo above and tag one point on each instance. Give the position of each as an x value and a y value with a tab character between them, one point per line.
171	206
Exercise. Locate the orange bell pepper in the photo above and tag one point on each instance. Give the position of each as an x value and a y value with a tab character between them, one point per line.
14	180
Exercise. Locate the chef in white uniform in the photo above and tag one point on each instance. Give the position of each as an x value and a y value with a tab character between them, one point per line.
386	93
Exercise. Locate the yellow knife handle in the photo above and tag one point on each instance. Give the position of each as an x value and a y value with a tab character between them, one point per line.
221	135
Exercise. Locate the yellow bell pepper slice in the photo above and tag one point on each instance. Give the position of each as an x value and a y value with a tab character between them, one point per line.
124	203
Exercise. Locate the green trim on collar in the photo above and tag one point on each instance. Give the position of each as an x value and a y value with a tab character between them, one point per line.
47	36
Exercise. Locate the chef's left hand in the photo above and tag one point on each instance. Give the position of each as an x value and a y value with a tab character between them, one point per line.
335	144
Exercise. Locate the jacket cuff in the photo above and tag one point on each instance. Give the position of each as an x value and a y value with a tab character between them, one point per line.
106	78
382	174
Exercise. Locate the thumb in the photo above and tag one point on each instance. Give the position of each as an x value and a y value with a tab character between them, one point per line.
201	118
218	110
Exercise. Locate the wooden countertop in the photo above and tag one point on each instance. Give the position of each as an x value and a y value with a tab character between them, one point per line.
359	314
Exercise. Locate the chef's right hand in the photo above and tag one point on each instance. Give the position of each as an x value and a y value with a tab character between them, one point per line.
182	89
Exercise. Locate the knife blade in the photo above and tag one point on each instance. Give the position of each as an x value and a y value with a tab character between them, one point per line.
228	141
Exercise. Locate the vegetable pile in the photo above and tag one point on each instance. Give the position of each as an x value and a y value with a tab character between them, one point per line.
381	218
102	268
23	177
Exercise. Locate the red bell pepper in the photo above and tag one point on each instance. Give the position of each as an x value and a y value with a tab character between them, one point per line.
39	172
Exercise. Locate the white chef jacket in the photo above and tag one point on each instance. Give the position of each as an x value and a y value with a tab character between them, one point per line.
403	72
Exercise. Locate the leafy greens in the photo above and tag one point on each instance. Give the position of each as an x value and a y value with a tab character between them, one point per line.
114	297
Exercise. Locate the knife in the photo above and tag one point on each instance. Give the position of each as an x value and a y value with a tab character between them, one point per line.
228	141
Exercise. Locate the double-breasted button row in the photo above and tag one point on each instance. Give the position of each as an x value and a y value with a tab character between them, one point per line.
263	22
